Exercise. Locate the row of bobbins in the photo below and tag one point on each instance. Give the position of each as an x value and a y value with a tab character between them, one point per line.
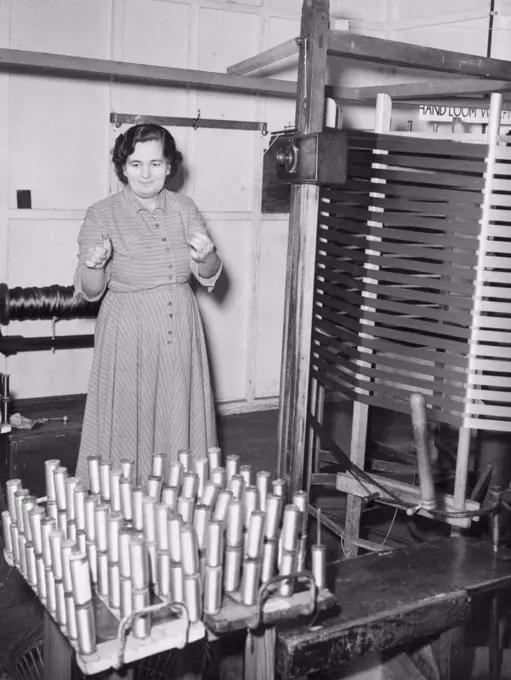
197	530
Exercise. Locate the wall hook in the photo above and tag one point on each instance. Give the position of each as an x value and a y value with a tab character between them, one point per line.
195	123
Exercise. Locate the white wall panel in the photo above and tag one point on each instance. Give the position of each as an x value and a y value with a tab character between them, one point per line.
501	48
225	310
77	27
225	38
159	34
223	169
58	147
465	36
270	306
42	252
406	10
43	374
248	3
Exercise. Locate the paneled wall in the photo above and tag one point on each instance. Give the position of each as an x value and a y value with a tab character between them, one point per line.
55	138
55	141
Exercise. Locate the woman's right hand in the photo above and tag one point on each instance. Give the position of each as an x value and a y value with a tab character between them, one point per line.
99	254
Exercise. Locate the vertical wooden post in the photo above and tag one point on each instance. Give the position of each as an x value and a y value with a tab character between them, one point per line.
301	253
360	419
463	454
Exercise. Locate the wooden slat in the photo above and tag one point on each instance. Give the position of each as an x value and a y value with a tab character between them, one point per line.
495	336
419	145
453	210
395	381
402	405
417	193
490	351
419	177
430	87
63	65
409	159
419	250
492	395
335	386
391	340
500	308
501	200
451	367
404	219
427	192
500	184
491	411
390	52
345	302
502	152
503	292
489	424
492	365
416	266
412	284
496	277
419	282
483	380
459	314
289	48
499	322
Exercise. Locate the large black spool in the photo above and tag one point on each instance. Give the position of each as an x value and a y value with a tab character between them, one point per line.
48	302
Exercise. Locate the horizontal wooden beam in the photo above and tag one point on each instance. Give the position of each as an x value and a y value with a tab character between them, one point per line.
24	61
409	494
448	87
406	55
289	48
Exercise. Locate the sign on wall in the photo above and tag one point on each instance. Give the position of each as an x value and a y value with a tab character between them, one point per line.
438	114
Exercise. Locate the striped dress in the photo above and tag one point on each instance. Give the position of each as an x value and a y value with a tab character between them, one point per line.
149	389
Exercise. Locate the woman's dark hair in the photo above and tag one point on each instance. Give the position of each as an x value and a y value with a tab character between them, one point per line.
125	145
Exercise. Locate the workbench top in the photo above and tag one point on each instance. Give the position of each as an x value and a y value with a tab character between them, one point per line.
389	599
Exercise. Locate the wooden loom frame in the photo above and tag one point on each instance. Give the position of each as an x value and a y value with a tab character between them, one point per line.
474	76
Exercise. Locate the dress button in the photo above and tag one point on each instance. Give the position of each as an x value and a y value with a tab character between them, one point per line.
169	342
170	266
167	249
170	333
171	315
164	238
156	226
170	304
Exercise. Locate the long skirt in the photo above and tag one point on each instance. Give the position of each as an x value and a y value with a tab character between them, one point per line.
150	388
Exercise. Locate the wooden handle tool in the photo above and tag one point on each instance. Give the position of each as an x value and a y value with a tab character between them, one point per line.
420	431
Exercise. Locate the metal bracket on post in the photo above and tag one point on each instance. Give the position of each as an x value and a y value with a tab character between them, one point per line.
317	158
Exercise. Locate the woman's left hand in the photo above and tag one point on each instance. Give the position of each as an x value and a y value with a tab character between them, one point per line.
201	247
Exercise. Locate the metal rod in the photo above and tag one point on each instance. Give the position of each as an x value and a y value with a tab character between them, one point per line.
176	121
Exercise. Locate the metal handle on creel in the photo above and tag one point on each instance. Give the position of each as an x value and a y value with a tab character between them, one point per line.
305	575
127	622
420	431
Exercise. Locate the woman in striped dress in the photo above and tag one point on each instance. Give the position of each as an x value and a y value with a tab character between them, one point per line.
149	389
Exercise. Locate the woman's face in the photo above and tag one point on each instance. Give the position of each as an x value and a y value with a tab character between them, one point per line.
146	169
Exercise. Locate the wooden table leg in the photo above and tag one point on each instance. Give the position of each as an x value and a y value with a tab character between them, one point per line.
58	656
260	654
451	654
57	652
494	657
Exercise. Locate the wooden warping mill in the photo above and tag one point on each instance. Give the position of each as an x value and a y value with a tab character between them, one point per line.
412	290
